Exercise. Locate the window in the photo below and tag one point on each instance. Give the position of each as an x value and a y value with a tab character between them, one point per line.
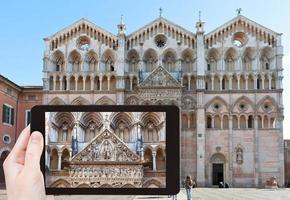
208	66
31	97
6	139
267	66
8	114
27	117
9	91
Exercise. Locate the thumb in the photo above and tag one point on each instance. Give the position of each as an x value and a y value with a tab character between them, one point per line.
34	151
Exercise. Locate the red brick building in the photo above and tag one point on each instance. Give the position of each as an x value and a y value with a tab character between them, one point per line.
15	105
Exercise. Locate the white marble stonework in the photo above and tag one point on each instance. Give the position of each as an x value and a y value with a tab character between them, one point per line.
227	83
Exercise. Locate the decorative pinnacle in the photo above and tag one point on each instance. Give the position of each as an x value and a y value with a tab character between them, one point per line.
239	10
122	21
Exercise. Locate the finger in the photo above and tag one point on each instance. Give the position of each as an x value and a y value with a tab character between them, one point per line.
20	145
34	151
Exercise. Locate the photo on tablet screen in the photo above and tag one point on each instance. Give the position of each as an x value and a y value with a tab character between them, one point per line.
105	149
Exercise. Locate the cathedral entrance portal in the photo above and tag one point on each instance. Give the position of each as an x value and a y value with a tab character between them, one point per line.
217	173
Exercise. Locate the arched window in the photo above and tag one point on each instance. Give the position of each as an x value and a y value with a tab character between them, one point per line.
208	122
235	122
225	122
242	122
250	122
217	122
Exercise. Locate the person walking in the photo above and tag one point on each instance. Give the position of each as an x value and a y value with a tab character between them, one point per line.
188	185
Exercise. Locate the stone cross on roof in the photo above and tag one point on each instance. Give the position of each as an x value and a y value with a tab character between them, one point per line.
239	10
160	12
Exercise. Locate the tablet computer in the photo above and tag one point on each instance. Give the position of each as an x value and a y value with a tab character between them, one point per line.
109	149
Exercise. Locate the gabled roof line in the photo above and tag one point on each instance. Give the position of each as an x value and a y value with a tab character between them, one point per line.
236	19
164	20
82	20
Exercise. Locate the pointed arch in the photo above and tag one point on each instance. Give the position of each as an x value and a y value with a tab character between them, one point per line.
125	117
105	101
56	101
216	98
268	98
243	99
80	101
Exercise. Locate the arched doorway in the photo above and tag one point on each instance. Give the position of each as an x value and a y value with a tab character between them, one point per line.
2	177
65	159
148	159
217	169
53	160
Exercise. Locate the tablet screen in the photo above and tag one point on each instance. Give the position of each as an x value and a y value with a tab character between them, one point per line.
105	149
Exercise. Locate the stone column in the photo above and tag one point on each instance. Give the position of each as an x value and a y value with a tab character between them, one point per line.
212	122
76	83
154	160
84	83
131	83
60	83
92	82
247	122
238	78
109	85
222	125
247	78
189	80
54	83
270	81
101	81
230	82
188	120
231	156
59	161
263	82
239	122
212	82
255	82
221	82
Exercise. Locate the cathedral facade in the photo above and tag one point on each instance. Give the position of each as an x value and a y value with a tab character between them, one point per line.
227	84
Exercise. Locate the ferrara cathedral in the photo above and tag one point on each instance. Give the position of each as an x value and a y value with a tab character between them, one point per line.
226	82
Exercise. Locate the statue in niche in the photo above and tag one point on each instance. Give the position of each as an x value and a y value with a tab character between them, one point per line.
239	155
107	151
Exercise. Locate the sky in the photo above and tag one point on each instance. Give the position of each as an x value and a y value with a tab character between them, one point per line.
24	24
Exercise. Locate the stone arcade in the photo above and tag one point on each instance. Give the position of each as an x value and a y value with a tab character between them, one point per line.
227	83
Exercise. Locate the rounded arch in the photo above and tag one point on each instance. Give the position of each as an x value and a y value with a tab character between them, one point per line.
105	101
267	52
133	59
218	158
65	157
74	59
213	54
80	101
128	186
108	55
150	58
106	185
4	149
188	55
60	183
56	101
91	60
169	59
84	185
152	183
57	59
231	53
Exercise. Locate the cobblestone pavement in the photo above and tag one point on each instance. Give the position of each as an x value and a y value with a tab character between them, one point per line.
198	193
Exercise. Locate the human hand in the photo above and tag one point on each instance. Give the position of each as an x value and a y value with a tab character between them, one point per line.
24	180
